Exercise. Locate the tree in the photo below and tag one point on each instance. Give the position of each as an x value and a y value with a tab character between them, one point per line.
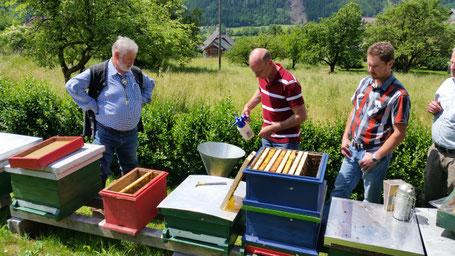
240	52
293	44
417	31
68	33
335	39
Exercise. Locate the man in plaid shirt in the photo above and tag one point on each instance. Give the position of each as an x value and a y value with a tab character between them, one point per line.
375	127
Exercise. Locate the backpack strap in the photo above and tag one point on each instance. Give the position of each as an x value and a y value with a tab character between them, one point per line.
139	80
137	72
98	80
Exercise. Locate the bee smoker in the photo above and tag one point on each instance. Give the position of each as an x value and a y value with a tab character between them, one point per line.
403	202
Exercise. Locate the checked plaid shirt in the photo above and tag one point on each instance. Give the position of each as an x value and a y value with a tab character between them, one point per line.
376	110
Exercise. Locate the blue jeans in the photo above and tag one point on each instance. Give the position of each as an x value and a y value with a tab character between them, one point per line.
271	144
123	144
350	174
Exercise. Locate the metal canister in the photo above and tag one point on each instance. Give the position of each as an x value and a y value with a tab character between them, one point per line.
403	202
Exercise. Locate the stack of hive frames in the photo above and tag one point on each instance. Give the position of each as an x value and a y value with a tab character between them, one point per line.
293	162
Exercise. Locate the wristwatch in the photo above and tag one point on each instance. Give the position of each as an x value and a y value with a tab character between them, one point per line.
374	158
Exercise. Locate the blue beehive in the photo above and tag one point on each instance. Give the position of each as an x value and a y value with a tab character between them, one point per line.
283	227
302	192
283	211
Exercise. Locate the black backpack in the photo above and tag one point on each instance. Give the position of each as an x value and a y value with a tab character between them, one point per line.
98	75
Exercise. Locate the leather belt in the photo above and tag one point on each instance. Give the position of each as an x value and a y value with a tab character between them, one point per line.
112	129
444	150
361	146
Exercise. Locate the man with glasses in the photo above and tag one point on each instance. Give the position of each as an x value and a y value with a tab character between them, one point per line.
440	167
116	99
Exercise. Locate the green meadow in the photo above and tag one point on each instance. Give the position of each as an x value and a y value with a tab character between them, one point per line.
327	97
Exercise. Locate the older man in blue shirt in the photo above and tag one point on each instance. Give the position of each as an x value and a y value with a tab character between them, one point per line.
440	167
118	106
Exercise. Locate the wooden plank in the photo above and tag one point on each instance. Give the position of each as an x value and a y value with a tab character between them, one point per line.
267	159
236	181
278	161
147	236
289	162
261	158
274	157
296	162
283	162
299	170
136	185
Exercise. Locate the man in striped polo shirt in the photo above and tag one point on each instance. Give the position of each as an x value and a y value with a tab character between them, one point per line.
375	127
283	108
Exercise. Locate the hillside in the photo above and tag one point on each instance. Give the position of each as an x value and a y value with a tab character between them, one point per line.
237	13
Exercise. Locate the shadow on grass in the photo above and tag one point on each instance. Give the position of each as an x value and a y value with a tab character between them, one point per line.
175	68
189	69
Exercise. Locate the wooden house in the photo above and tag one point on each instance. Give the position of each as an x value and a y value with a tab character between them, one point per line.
211	45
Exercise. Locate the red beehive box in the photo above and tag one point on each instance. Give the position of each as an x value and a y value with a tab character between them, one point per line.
46	152
131	201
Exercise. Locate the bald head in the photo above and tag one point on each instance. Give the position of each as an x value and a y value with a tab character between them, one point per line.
261	63
260	55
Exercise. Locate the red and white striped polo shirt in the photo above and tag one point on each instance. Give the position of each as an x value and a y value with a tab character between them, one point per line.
278	98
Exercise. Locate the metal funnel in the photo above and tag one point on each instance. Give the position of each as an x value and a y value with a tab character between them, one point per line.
219	158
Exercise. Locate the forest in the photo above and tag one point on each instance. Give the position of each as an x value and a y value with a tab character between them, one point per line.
237	13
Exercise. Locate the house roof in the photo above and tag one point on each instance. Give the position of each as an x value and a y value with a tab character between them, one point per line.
226	41
368	19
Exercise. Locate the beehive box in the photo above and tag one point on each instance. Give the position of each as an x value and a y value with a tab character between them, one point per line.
255	250
60	189
46	152
275	248
275	224
445	217
5	180
290	178
11	144
194	214
131	201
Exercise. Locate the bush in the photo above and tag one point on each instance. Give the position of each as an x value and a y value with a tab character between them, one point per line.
12	39
30	107
172	133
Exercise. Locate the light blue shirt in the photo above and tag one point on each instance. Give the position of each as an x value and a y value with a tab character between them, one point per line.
111	108
443	129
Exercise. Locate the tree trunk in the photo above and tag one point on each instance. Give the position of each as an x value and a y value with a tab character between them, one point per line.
332	68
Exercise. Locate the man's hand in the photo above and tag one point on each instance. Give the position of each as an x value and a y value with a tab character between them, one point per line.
434	107
266	132
246	111
345	151
367	163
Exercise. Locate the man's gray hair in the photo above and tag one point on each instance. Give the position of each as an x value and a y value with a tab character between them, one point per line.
124	45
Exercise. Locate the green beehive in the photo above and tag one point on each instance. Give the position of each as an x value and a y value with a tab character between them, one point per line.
193	215
59	189
11	144
445	217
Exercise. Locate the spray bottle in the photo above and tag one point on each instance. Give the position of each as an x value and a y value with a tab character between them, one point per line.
243	127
